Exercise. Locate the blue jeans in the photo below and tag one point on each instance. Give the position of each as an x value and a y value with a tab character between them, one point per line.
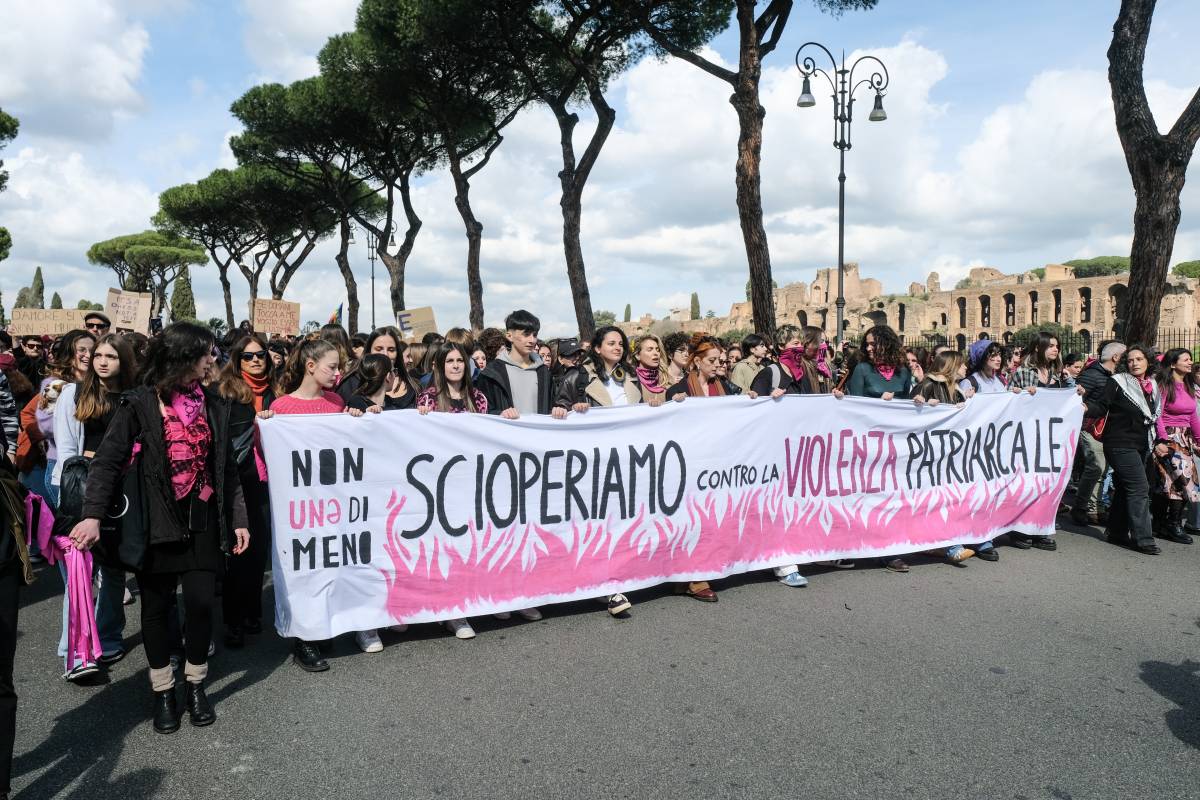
51	493
110	610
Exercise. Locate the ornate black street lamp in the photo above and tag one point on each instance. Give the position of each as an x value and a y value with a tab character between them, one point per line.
842	83
372	256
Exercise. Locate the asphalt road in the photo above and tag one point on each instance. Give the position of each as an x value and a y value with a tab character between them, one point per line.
1073	674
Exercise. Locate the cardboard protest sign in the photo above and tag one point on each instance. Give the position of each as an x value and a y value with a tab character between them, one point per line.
38	321
129	311
416	322
276	316
400	517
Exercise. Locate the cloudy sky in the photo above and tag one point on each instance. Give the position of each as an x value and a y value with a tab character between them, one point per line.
999	149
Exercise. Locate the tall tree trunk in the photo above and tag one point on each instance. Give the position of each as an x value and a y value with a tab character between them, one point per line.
226	290
396	263
573	178
1157	165
474	228
750	113
343	262
1155	221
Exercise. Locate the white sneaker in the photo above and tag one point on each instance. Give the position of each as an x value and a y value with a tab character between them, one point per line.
531	614
368	641
503	615
462	629
401	628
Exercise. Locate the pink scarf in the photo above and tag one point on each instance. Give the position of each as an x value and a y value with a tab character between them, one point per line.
1147	385
188	404
885	372
83	639
649	379
188	439
822	367
793	359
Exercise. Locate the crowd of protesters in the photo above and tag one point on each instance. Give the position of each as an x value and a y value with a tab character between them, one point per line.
82	413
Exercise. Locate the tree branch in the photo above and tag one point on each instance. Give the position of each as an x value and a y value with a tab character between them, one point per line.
1186	129
695	60
773	18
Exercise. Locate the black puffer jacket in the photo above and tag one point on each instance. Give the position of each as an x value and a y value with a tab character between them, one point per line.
139	419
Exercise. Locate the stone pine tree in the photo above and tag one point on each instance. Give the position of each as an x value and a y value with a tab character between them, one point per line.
183	302
628	312
1157	164
56	301
695	311
8	132
37	290
759	32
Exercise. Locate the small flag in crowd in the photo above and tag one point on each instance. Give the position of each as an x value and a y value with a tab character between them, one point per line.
336	317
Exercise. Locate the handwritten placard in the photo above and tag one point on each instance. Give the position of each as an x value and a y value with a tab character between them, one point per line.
416	322
38	321
276	316
129	311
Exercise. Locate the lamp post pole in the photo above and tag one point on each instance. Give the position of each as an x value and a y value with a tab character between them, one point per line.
843	86
373	256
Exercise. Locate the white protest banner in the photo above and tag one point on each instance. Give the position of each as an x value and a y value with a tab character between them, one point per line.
39	322
416	322
397	517
129	311
276	316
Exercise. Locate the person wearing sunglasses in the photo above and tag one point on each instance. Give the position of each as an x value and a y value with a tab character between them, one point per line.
97	323
245	382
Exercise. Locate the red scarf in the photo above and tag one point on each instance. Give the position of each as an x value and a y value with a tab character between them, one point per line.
885	371
793	359
258	385
648	378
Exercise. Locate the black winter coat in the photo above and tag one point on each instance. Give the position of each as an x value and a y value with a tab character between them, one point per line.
139	418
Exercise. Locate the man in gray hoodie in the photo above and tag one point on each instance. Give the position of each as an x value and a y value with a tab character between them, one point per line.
517	381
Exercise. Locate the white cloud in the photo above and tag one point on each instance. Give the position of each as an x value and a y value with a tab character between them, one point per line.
283	37
70	69
57	206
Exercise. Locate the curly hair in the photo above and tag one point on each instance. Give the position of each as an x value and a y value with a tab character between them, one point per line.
171	357
62	354
490	341
673	342
888	352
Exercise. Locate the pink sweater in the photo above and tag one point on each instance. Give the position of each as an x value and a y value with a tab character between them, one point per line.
1179	413
329	403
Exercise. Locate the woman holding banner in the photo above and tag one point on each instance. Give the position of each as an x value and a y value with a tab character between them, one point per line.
246	383
307	387
882	373
651	369
702	380
801	366
603	379
1130	407
194	505
1041	369
1178	429
451	391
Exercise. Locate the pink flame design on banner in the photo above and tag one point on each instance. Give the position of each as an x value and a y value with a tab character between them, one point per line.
435	577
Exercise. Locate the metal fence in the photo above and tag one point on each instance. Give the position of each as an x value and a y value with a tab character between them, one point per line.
1168	338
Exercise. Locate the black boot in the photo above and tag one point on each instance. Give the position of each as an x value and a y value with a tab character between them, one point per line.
308	657
166	712
235	637
1172	528
198	707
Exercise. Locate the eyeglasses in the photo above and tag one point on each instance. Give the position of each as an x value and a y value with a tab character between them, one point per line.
260	355
96	326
